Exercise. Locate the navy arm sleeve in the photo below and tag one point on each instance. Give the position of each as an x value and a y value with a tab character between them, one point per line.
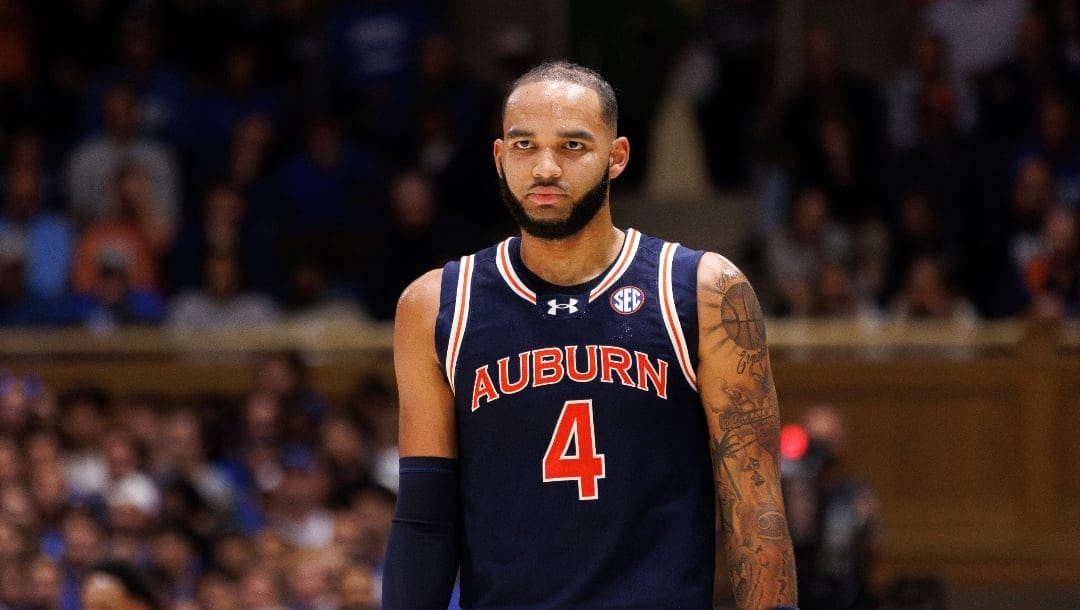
422	553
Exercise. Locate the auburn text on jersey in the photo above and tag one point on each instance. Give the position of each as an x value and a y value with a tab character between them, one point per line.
551	365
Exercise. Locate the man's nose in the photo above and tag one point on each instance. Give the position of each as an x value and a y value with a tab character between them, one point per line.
546	165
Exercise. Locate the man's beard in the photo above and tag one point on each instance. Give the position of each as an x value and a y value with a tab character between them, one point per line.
582	211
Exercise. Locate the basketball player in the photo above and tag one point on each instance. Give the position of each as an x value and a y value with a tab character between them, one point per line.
562	393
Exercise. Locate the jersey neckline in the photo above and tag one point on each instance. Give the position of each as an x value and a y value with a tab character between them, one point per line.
527	284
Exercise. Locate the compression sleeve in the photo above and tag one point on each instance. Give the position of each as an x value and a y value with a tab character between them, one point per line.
422	553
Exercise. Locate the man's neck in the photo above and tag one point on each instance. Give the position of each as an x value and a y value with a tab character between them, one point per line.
575	259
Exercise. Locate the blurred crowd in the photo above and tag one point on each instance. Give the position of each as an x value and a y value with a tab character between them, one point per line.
220	163
947	189
278	499
209	163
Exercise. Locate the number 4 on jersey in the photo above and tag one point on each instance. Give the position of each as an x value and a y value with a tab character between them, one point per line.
586	466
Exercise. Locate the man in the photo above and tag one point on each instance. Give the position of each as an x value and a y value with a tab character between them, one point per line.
560	394
834	518
117	585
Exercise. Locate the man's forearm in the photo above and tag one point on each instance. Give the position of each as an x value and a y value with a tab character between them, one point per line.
422	553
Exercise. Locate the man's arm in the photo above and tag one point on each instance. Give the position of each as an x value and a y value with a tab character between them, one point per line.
736	385
427	426
422	552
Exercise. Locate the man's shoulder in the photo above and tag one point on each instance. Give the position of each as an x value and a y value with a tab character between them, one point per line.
424	287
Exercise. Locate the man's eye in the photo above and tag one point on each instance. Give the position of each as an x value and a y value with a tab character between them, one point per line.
522	144
575	145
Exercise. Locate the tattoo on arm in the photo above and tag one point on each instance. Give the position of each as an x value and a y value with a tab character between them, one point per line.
741	321
745	447
755	532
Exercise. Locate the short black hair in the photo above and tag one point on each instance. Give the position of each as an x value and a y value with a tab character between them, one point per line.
134	582
569	72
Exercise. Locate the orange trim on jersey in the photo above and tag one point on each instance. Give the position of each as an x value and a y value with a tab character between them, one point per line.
461	317
622	263
671	314
506	270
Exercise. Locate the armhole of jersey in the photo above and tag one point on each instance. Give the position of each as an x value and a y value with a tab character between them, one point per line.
672	319
461	287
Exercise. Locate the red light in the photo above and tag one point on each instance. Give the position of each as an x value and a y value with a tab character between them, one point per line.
793	442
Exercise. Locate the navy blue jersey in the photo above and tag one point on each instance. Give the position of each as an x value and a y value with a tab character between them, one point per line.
585	471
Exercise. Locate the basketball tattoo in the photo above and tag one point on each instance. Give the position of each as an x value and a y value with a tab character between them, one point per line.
740	313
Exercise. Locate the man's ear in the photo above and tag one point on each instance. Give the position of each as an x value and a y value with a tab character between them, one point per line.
496	151
618	157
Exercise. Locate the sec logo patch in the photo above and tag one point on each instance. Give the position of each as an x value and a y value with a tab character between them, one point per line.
627	300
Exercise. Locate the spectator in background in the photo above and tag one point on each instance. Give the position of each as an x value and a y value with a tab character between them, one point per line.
82	425
371	53
298	506
834	295
1010	91
420	236
977	36
248	166
176	562
85	542
164	93
215	591
132	230
795	253
942	159
48	491
833	516
1052	275
327	196
118	585
184	456
93	165
262	588
12	584
287	378
311	295
231	554
929	293
833	131
1032	198
372	508
44	584
132	512
375	401
49	237
449	123
917	229
125	460
111	300
946	163
13	541
1056	140
357	588
311	579
224	225
222	303
240	92
346	442
441	79
925	68
19	304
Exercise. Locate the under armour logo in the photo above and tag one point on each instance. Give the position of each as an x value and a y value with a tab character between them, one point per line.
555	307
